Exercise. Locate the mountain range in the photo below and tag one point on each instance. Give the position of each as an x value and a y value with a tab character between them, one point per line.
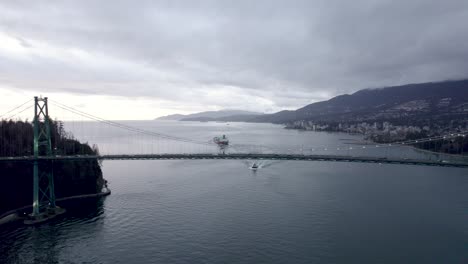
221	115
405	103
411	101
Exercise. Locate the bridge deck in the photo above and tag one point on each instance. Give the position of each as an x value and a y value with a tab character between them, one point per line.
249	156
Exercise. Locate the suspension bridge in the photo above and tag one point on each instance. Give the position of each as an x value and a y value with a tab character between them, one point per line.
141	143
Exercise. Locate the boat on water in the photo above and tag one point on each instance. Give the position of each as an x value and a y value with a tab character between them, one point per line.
254	166
221	141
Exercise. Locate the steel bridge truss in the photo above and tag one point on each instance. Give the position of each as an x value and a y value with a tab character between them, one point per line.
43	176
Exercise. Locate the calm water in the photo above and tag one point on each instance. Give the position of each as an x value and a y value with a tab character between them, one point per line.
223	212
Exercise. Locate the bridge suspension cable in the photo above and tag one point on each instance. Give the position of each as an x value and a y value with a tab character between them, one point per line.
15	108
374	145
21	111
367	146
127	127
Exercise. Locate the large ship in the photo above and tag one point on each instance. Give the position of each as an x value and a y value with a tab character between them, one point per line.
222	141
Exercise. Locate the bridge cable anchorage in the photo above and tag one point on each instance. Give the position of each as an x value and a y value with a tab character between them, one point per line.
13	109
126	127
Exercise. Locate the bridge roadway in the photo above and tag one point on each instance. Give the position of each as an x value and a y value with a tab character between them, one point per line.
246	156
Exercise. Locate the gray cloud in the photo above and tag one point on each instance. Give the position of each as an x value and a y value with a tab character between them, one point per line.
282	53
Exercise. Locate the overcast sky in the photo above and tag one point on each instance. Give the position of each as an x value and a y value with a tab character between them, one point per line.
143	59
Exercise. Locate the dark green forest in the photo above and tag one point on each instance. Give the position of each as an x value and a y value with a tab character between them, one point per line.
71	177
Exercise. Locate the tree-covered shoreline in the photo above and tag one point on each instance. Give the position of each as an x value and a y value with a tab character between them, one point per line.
71	177
392	131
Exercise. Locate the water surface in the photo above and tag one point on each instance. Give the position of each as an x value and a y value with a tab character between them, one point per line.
285	212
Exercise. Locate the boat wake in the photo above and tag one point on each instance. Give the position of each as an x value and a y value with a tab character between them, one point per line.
255	165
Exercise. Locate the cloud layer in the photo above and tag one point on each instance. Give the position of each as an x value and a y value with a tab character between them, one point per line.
257	55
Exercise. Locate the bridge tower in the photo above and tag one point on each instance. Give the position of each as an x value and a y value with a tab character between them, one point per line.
43	178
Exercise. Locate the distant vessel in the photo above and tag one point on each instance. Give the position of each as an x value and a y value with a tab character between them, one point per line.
222	141
254	166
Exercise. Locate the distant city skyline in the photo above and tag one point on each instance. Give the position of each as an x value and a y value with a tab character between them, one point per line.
145	59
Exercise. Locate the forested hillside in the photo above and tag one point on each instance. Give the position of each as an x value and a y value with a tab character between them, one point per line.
71	177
